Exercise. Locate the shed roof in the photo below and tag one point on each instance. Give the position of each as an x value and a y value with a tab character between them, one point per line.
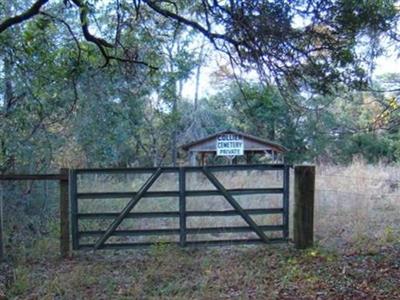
265	142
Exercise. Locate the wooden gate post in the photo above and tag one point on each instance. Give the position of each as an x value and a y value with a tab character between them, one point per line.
182	207
64	215
303	221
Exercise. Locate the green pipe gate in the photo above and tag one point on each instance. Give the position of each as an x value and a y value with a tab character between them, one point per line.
182	232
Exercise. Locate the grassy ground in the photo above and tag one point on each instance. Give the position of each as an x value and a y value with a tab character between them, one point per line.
256	272
357	229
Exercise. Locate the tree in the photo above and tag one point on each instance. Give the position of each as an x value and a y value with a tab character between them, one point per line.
58	103
303	43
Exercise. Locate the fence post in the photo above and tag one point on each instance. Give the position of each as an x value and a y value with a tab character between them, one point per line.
286	178
64	214
2	252
303	221
182	206
72	181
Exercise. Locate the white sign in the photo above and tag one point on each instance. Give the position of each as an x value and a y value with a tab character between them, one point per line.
230	145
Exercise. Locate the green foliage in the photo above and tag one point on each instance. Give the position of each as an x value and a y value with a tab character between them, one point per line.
21	282
370	146
63	110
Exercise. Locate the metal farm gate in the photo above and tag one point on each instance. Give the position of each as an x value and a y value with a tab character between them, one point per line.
87	194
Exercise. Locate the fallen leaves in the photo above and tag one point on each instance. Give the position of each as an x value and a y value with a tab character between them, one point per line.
262	272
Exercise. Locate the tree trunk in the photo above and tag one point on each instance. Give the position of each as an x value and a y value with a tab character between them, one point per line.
174	95
271	131
198	72
174	142
6	163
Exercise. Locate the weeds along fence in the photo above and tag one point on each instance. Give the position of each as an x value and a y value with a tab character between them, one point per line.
30	210
358	204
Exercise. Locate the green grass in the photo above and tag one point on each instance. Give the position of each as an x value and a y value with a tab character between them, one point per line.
245	272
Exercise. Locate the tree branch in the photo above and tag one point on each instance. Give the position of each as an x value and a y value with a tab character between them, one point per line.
210	35
71	32
32	11
99	42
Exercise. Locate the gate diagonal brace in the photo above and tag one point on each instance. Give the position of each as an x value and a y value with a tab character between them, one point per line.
235	204
131	204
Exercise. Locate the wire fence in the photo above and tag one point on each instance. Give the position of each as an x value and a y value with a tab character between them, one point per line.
353	207
348	206
382	195
352	177
30	218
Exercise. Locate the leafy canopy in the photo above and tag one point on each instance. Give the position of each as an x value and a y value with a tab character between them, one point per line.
304	43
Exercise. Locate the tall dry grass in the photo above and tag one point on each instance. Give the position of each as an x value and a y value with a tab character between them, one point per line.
357	204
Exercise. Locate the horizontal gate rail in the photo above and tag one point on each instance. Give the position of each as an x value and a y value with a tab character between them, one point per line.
138	232
189	213
16	177
174	231
228	242
189	193
251	167
126	170
221	213
132	215
234	229
121	195
236	192
235	242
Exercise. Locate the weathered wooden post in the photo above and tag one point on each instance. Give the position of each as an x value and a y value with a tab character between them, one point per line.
303	221
2	253
64	215
182	207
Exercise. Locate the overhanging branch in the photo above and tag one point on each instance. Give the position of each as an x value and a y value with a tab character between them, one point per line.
101	44
32	11
210	35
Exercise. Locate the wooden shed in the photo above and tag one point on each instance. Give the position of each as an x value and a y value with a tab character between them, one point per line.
233	145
